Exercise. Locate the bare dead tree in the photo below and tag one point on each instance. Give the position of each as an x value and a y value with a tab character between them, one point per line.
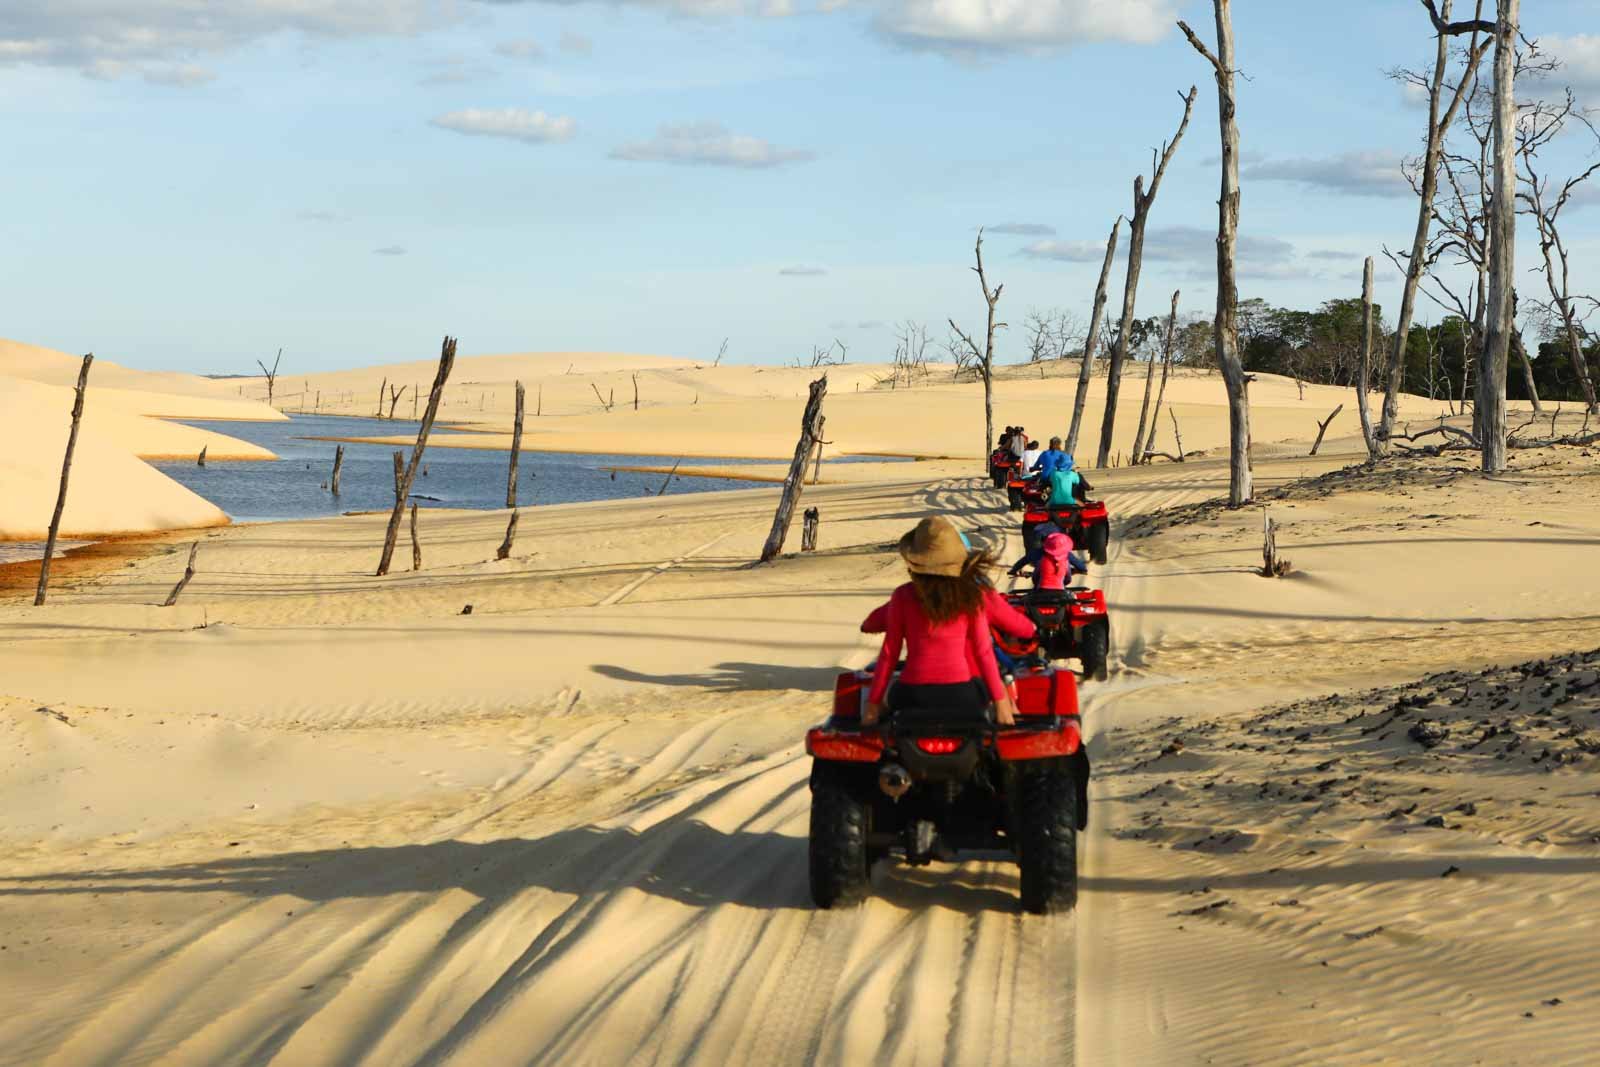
991	297
1490	410
604	403
338	466
723	351
1170	354
201	460
394	398
66	473
271	375
1225	326
794	482
188	575
1364	376
1142	202
670	474
808	533
1096	316
1541	123
1039	329
1272	565
1322	428
383	391
635	391
1141	447
447	360
416	544
1444	101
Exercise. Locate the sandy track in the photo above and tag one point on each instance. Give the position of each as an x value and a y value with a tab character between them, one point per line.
608	865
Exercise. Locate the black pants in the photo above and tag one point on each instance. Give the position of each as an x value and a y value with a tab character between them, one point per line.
957	700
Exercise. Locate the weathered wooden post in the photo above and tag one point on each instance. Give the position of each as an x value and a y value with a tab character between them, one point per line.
816	470
338	464
808	535
416	546
1271	565
516	450
383	390
810	431
1363	375
66	470
504	551
188	573
202	460
447	359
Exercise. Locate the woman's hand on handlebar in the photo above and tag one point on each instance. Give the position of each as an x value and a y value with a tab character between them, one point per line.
870	715
1005	712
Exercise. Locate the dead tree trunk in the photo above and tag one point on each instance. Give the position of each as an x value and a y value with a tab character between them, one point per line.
201	461
383	391
1086	372
504	551
447	359
1417	264
1490	412
272	375
394	399
188	573
810	431
516	450
808	533
1322	428
1177	434
665	482
66	472
1142	202
816	469
1271	565
991	297
416	545
1146	423
1166	370
338	467
1364	374
1226	326
636	392
1527	371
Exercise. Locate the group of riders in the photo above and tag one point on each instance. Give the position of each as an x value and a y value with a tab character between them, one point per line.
944	619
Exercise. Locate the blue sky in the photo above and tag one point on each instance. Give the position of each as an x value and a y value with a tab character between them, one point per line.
192	185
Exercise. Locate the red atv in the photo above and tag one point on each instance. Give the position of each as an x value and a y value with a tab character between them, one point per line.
920	786
1087	523
1004	468
1072	624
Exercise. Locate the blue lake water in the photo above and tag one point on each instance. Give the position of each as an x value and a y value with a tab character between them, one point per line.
292	486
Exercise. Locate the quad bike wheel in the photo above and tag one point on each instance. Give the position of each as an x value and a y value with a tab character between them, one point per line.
1099	537
1095	649
1049	841
840	861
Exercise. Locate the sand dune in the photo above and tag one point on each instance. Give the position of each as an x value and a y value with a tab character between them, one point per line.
112	490
699	410
570	826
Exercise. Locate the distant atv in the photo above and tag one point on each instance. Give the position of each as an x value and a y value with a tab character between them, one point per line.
1004	467
1072	624
923	786
1088	523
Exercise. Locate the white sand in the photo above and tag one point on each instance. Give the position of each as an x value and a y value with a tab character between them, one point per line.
111	489
309	816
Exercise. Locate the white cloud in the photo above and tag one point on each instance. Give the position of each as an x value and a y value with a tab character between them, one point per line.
512	123
1022	229
389	250
1352	173
977	26
710	144
179	76
576	44
155	38
1580	60
1191	246
802	272
522	49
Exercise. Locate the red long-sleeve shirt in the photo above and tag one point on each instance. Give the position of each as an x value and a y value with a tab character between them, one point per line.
943	654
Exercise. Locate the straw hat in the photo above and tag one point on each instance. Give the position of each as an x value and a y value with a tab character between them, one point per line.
934	547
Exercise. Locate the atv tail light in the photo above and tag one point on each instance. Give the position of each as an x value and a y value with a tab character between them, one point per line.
939	746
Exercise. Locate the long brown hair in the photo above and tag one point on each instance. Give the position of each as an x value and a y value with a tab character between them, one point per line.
947	599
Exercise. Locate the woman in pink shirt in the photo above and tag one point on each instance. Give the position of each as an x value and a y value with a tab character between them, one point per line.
939	619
